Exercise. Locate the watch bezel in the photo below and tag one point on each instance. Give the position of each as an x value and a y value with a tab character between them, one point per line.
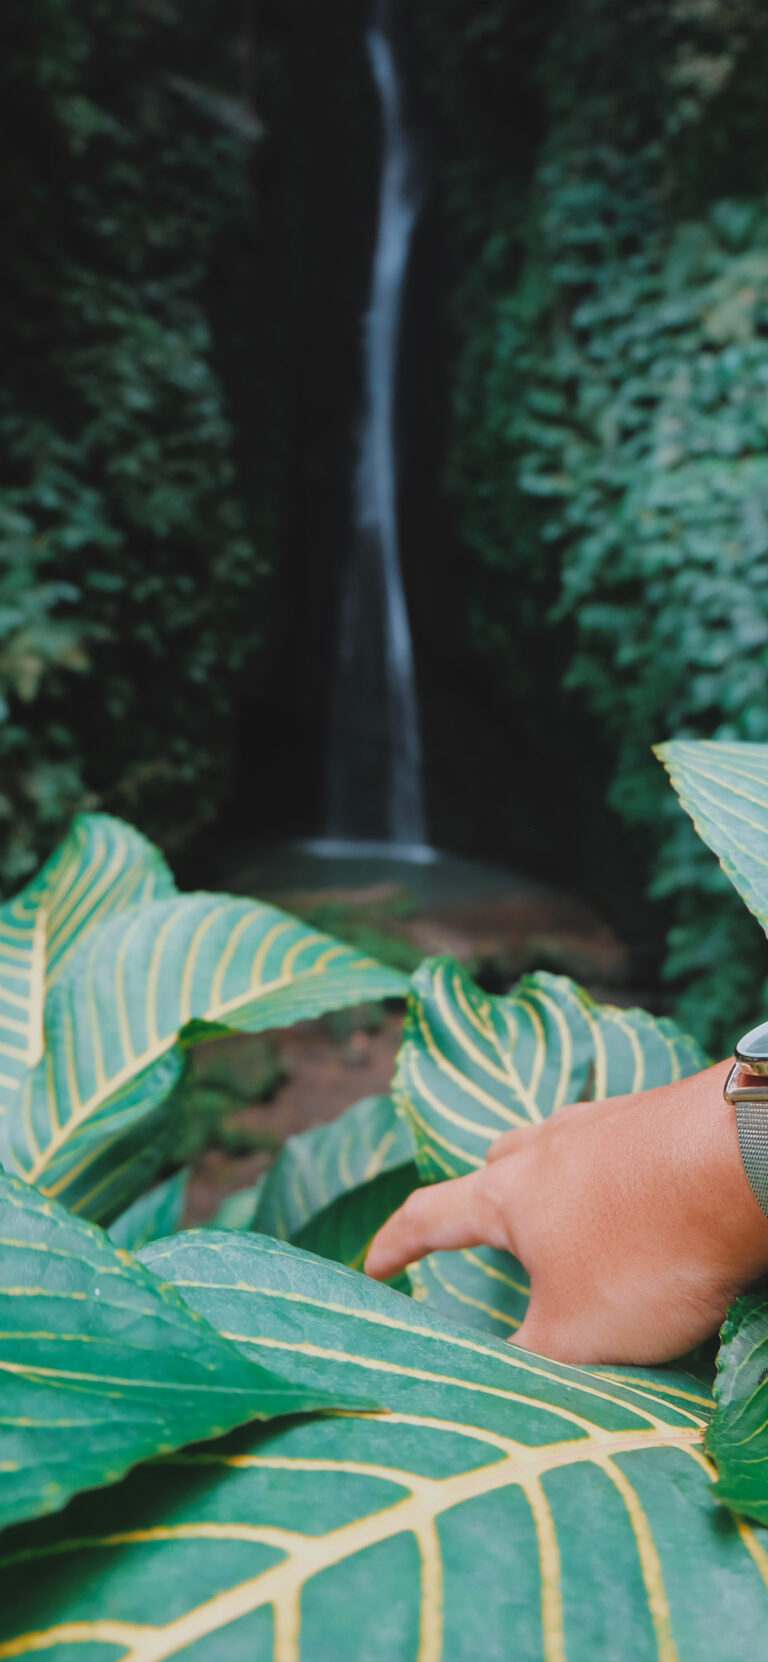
752	1049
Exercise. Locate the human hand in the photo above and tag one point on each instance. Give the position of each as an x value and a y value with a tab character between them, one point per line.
633	1217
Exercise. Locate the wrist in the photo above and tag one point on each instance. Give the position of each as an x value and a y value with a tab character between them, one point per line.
736	1209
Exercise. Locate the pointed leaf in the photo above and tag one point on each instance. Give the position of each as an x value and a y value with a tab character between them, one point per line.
319	1165
472	1065
738	1435
151	981
344	1230
724	788
101	1365
101	868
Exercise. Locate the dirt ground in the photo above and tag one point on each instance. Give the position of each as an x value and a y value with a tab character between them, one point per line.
323	1076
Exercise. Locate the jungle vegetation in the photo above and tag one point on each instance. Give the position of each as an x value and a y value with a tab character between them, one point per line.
176	421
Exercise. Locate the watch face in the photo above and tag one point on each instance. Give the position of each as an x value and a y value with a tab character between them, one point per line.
752	1050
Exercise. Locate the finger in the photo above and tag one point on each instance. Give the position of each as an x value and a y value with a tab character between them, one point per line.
460	1213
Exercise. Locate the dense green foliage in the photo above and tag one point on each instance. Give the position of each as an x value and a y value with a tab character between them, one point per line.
130	583
610	430
169	438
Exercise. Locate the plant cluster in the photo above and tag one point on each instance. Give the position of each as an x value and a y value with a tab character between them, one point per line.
126	542
365	1456
610	424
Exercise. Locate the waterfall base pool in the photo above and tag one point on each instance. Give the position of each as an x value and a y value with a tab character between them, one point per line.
342	848
313	865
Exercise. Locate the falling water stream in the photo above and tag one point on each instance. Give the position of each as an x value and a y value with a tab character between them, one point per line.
375	766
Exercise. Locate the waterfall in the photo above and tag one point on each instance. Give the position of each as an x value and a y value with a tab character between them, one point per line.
375	766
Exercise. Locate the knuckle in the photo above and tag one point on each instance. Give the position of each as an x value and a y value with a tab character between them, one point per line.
412	1207
496	1216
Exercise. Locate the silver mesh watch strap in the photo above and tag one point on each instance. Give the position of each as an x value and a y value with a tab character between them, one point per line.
752	1128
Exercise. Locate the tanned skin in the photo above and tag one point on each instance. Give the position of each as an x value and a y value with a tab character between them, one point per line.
633	1217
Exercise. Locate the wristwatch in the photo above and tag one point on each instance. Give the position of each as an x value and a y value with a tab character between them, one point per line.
747	1089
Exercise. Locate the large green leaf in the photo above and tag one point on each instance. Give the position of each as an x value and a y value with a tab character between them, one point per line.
724	788
344	1230
737	1434
319	1165
472	1065
92	1122
503	1506
153	1215
101	1364
101	868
